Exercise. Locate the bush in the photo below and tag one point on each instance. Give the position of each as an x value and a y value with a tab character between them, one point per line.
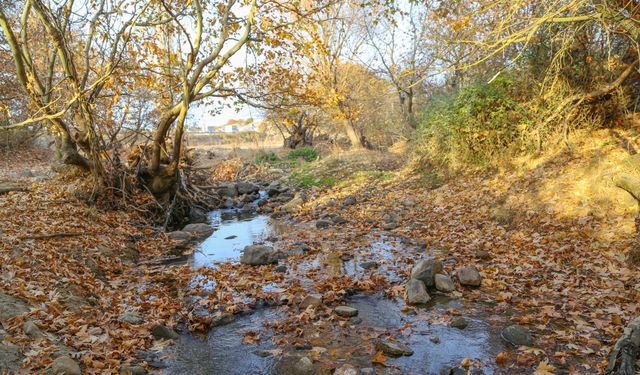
266	157
306	153
480	125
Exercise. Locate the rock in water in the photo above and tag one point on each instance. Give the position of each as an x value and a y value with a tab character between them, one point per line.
247	188
426	269
346	311
64	365
164	332
517	335
460	323
228	190
416	292
393	348
444	283
314	300
257	255
199	230
469	276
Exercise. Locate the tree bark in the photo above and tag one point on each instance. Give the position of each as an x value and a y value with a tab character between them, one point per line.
622	360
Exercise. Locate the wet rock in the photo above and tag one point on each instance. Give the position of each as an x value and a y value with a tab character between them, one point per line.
247	188
346	370
281	268
434	339
228	203
197	215
517	335
460	323
393	348
346	311
339	220
458	371
257	255
323	224
222	318
469	276
416	292
369	265
355	320
199	230
444	283
349	200
228	190
163	332
131	318
314	300
31	329
368	371
11	307
294	365
64	365
132	370
10	359
426	269
295	203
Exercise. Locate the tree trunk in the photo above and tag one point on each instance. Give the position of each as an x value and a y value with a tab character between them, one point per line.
356	142
622	360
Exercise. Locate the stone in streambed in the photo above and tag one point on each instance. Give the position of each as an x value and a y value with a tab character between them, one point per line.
313	300
517	335
131	318
323	224
163	332
132	370
469	276
460	323
346	311
10	359
425	270
346	370
393	348
257	255
198	230
247	188
416	292
444	283
64	365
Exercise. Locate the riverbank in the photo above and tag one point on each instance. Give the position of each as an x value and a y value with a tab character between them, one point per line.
94	291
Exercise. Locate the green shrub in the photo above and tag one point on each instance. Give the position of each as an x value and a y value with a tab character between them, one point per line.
480	125
266	157
306	153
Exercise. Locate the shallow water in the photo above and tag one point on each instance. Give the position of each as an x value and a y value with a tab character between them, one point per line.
233	232
222	351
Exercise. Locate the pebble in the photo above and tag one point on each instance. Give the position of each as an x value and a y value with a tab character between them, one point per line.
346	311
393	348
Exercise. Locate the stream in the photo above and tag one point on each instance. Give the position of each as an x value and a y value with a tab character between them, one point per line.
437	346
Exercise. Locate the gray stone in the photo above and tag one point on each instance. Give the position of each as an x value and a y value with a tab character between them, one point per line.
368	371
257	255
64	365
346	311
393	348
281	268
11	307
247	188
460	323
416	292
200	230
222	318
349	200
339	219
483	254
228	190
444	283
517	335
163	332
313	300
323	224
132	370
130	317
426	269
389	225
346	370
369	265
197	215
469	276
31	329
10	359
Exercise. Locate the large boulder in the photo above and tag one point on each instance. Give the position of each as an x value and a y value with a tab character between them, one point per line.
416	292
247	188
469	276
197	215
393	348
11	307
426	269
257	255
10	359
517	335
64	365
